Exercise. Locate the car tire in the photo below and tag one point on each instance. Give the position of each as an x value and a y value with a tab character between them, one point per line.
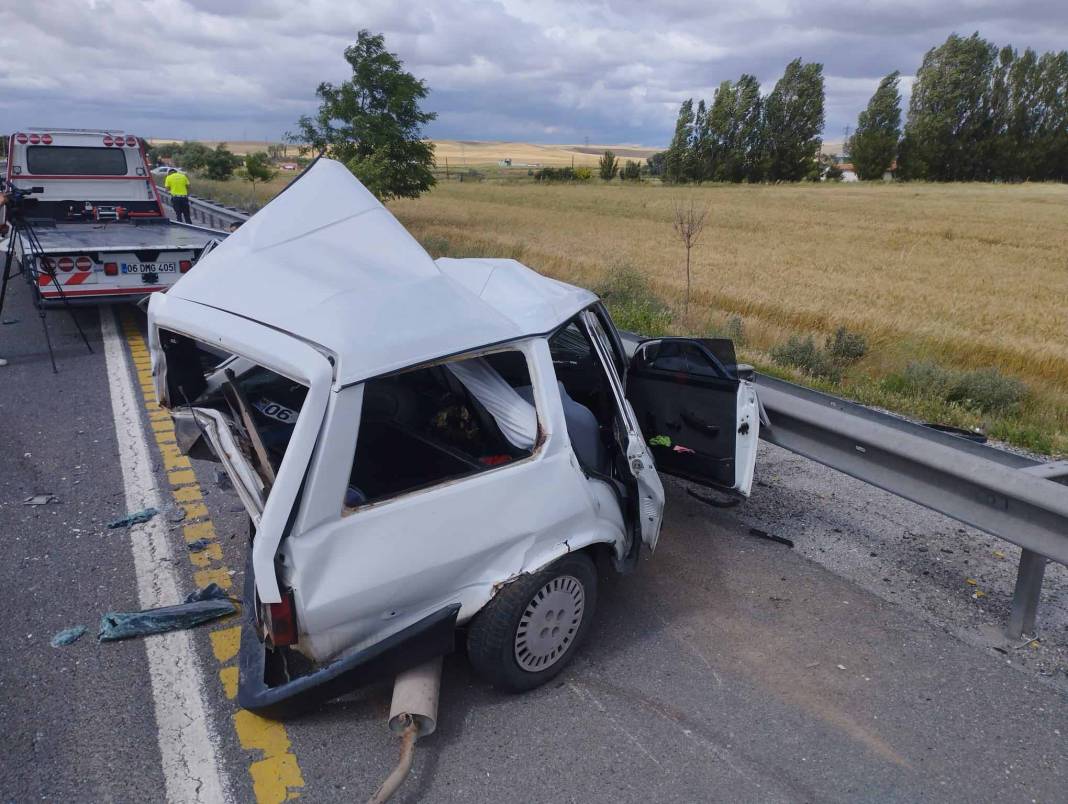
533	627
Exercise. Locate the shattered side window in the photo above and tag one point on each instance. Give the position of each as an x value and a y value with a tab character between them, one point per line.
261	406
440	423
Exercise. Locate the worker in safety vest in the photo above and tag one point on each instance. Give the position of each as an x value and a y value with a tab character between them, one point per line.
177	185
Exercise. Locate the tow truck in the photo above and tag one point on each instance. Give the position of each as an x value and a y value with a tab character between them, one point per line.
90	226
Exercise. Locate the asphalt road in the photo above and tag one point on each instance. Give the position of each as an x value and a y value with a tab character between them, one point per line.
727	668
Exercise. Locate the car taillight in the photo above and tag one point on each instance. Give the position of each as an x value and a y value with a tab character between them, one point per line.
21	138
108	140
281	621
111	268
66	263
83	263
46	139
131	140
35	139
184	265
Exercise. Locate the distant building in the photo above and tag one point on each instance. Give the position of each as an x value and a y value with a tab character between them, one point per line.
507	162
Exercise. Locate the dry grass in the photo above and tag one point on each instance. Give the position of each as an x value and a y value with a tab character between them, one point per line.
968	276
469	153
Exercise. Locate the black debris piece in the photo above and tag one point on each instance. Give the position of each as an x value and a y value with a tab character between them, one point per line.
771	537
210	592
199	546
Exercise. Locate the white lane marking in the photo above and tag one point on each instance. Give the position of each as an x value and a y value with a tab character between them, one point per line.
187	741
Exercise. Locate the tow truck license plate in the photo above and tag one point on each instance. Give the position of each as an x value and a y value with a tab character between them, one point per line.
148	267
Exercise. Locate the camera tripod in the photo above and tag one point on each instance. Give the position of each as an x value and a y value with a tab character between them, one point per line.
35	257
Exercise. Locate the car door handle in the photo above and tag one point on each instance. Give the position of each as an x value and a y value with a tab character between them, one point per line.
699	425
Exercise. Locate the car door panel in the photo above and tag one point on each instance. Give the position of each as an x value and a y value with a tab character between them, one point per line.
697	415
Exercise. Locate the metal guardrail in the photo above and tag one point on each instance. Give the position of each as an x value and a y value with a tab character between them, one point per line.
1010	496
208	213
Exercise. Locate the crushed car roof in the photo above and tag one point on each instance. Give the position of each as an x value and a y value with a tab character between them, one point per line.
326	262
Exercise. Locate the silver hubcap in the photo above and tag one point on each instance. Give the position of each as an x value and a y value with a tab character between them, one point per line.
549	623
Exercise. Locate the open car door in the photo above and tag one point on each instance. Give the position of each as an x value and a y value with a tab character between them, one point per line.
699	417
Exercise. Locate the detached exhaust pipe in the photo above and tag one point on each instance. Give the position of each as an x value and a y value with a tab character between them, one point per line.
413	714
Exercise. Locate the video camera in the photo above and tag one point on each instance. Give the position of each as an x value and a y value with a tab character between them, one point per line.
18	198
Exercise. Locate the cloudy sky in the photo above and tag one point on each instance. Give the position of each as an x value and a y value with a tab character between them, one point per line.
611	71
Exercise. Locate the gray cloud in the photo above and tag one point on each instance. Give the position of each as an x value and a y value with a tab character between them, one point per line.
547	70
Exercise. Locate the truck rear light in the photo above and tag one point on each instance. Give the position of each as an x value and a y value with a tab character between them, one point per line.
184	265
48	264
21	138
35	139
108	140
66	263
280	620
83	263
111	268
46	139
131	140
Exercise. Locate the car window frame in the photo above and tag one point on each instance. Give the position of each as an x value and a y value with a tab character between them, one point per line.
426	488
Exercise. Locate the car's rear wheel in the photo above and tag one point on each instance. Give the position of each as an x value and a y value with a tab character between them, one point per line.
532	628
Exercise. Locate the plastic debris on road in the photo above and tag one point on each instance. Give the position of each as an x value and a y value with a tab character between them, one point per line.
210	592
41	499
136	518
68	636
117	625
199	545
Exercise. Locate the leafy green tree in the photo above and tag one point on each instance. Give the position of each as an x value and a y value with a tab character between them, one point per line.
1050	139
632	171
192	155
793	121
220	163
258	168
657	164
608	166
873	145
373	122
950	125
829	169
699	165
677	158
751	144
726	159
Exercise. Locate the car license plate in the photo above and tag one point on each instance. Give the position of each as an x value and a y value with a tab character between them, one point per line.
148	267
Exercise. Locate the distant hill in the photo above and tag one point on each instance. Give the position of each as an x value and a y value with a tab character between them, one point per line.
462	153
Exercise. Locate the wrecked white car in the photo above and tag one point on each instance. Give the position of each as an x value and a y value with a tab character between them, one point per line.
425	445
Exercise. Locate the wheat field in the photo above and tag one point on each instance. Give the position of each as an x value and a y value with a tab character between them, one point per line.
967	276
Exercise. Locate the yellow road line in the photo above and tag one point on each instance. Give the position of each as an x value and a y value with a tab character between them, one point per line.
276	776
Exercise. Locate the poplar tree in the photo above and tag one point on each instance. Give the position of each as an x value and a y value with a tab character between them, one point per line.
873	146
793	122
678	153
950	125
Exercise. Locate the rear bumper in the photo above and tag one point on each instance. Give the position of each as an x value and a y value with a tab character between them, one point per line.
426	639
50	296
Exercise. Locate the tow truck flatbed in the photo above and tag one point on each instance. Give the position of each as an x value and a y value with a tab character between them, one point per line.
62	238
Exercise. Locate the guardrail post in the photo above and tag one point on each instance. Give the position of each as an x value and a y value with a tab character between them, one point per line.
1025	598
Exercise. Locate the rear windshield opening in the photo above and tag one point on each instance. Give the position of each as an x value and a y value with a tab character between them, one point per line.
431	425
63	160
261	404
